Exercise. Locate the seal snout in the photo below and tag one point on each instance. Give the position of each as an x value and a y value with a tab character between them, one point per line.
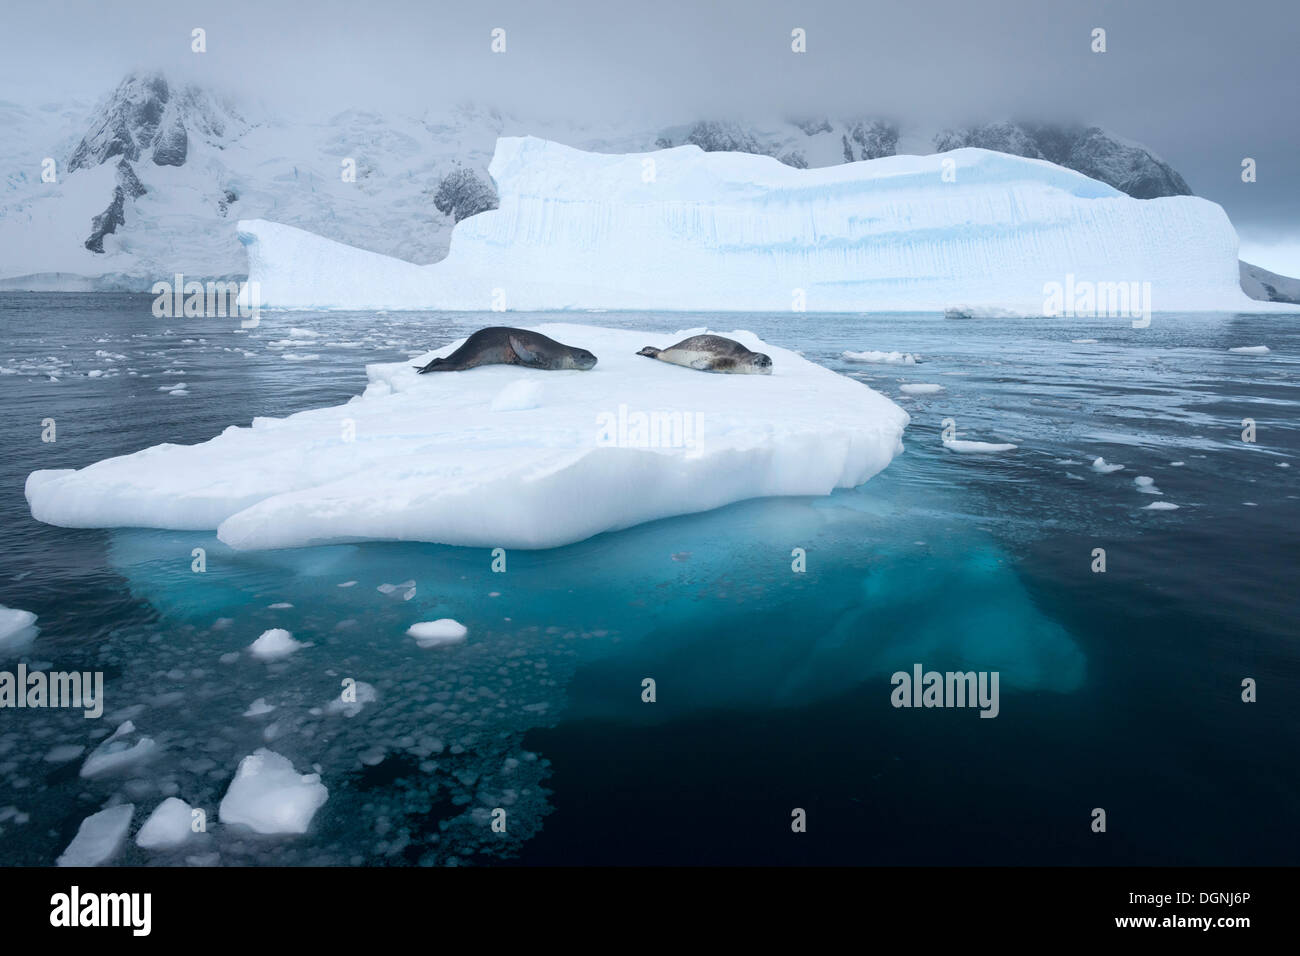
582	359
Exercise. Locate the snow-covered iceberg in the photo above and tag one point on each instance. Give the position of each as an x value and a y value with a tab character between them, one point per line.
682	229
441	458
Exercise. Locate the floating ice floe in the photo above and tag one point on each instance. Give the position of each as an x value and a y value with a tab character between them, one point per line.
919	388
1161	506
17	629
275	645
1251	350
269	796
438	633
168	826
1104	467
961	446
99	837
880	358
630	441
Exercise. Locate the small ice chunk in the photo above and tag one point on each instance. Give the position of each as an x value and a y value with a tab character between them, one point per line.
977	447
99	837
347	584
1161	506
880	358
919	388
17	628
259	707
269	796
1147	485
275	645
168	826
1177	464
1101	465
438	633
116	754
1084	341
518	396
1250	350
279	605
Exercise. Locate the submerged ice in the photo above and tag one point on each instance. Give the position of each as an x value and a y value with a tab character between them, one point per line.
438	458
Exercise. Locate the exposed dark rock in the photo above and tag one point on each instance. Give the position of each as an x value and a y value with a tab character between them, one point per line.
172	145
128	180
714	137
1087	150
814	126
1259	283
873	139
462	194
107	221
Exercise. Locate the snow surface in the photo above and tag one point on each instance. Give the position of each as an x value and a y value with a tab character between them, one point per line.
432	461
734	231
99	837
269	796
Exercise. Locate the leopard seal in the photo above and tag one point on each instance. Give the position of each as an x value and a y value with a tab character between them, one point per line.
712	353
502	345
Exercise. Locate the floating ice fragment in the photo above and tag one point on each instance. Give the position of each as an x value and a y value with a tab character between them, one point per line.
438	633
275	644
269	796
99	837
168	826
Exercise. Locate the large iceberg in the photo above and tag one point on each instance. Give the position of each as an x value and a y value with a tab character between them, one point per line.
501	456
682	229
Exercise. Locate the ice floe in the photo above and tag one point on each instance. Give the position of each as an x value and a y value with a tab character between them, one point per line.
427	458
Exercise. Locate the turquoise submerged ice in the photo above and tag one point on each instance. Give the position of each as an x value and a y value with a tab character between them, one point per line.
501	456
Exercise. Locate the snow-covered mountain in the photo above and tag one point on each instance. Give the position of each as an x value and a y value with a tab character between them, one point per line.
151	179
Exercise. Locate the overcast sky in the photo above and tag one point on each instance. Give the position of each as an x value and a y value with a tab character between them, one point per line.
1203	83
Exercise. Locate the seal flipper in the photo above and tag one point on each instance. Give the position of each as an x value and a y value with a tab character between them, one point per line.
650	352
526	357
431	367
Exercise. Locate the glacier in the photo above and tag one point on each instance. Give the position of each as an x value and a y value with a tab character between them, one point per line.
456	458
685	229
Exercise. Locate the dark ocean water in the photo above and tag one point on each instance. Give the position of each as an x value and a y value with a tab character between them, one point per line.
1119	690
